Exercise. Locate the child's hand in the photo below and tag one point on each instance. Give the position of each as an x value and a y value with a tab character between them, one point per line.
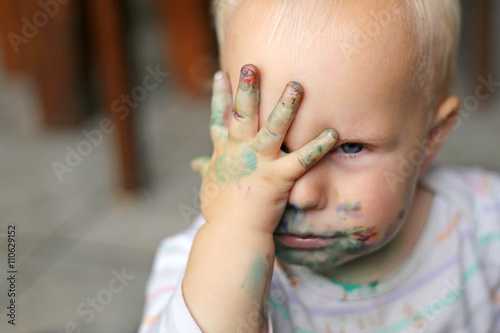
248	179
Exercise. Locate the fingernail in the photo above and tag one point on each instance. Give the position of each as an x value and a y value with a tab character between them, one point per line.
294	90
330	136
219	76
247	78
334	135
291	91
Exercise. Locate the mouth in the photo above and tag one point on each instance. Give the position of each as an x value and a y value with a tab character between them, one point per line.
305	241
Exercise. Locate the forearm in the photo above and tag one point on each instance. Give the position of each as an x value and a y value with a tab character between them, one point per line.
227	279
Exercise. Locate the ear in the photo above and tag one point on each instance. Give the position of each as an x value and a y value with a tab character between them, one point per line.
442	124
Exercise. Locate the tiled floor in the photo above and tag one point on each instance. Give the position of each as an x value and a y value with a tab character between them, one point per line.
73	236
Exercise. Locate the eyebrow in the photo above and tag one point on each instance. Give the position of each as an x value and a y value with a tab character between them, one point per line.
365	138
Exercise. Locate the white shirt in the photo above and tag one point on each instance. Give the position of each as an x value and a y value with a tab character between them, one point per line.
450	283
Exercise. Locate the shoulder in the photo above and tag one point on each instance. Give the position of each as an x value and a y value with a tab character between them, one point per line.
474	193
475	178
473	188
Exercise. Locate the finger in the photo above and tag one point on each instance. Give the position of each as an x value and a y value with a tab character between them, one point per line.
244	121
221	102
298	162
200	165
272	134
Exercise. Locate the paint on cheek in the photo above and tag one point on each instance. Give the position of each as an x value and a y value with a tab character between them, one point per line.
364	235
350	209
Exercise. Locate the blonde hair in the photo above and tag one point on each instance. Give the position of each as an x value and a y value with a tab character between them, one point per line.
435	25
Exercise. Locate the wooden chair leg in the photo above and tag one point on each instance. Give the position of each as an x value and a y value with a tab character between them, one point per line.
44	45
189	43
8	24
483	23
109	37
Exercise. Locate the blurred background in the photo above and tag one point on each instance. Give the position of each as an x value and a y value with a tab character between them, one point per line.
103	103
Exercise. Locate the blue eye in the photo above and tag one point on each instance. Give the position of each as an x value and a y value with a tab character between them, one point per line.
351	148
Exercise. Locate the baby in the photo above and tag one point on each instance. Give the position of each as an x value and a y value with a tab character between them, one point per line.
320	212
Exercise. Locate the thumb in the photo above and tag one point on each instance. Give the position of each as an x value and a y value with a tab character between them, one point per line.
200	165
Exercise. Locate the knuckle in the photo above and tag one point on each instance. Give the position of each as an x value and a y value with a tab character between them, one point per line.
270	132
217	133
302	161
282	117
239	113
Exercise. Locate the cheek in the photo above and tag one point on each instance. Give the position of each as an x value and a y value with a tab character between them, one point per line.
382	207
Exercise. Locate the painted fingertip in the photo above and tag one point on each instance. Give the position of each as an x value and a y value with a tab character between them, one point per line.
248	77
292	91
330	136
247	72
334	135
296	88
219	76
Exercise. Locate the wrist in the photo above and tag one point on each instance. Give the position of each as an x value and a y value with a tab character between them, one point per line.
232	232
236	228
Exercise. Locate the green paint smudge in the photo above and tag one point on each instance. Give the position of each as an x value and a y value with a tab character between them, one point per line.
276	305
229	169
302	330
488	238
221	174
350	287
255	279
251	161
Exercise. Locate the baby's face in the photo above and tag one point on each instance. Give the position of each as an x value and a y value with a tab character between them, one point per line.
361	189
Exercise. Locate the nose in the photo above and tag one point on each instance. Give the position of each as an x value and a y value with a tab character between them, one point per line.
308	192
